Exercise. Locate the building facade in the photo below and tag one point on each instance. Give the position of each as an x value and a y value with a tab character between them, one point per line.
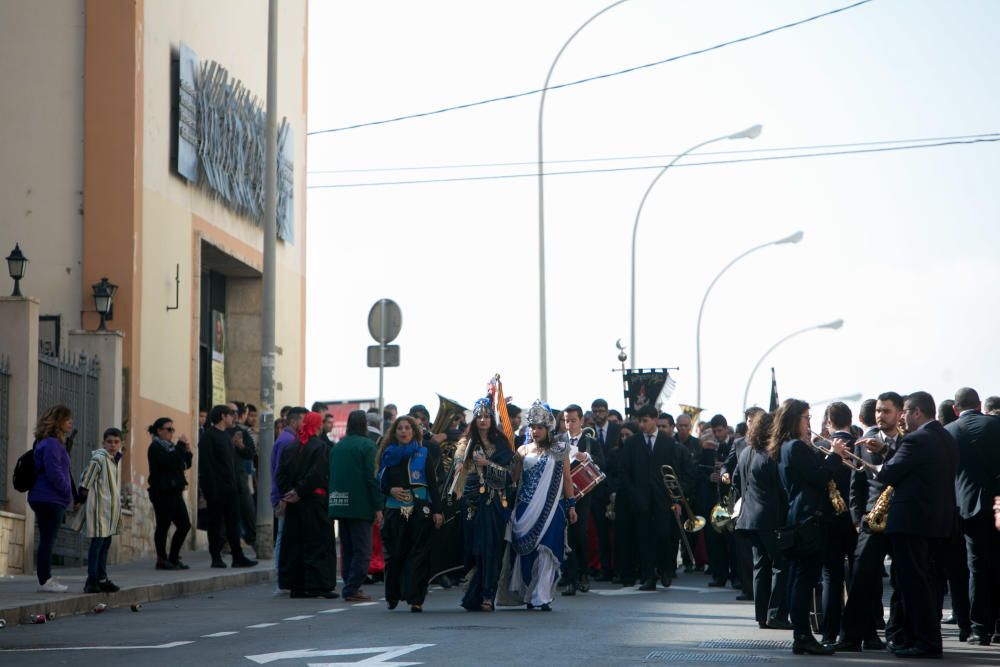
95	114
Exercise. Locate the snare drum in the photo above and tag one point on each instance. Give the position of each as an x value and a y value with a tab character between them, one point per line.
585	477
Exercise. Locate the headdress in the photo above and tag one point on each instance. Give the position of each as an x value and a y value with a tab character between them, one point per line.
484	406
539	414
311	424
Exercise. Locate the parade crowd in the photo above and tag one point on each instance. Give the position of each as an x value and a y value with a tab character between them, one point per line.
519	506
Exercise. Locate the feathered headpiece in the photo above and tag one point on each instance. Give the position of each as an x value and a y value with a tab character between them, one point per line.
539	414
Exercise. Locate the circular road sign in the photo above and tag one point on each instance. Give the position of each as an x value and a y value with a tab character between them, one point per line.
385	319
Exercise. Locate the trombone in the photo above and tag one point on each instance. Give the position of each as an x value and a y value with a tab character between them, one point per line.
693	523
859	465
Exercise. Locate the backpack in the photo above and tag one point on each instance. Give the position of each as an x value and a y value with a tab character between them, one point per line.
25	473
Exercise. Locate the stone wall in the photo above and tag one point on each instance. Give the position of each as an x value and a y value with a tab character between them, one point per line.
11	543
138	523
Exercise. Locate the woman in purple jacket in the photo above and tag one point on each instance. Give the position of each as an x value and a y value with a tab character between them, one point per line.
53	489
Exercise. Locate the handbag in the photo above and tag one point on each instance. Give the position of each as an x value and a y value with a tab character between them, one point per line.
803	539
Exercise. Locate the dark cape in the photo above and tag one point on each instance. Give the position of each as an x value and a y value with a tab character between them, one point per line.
307	561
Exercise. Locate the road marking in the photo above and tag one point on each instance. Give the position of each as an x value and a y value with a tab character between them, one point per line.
382	655
262	625
333	611
220	634
363	604
299	618
94	648
621	591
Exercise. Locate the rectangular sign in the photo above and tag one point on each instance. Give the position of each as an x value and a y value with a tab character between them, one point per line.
391	356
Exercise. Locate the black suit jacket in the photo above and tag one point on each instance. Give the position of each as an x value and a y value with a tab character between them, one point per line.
922	472
805	474
640	470
978	438
757	481
611	440
592	447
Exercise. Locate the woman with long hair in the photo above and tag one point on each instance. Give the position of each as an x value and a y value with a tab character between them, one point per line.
486	459
167	464
412	512
805	476
764	505
307	562
544	504
52	492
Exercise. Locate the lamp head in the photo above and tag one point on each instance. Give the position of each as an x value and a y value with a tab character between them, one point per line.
751	132
836	324
794	238
16	263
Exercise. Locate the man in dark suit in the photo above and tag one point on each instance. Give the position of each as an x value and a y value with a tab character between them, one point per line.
693	446
721	547
607	434
651	505
863	610
922	472
582	447
978	438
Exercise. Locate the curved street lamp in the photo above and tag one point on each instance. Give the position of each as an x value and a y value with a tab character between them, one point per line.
850	398
751	132
542	336
794	238
836	324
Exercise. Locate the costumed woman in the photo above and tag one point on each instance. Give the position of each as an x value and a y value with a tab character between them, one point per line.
544	503
412	512
306	562
484	486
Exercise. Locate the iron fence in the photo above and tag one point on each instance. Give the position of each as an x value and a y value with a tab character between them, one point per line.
72	381
4	421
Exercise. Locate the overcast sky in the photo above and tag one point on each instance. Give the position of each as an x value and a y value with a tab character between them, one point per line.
901	245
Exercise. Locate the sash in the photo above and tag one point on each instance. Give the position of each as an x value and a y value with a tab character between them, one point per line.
542	484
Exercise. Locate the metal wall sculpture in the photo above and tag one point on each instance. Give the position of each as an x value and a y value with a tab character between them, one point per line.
223	123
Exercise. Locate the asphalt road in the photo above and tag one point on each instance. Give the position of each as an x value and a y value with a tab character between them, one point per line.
687	624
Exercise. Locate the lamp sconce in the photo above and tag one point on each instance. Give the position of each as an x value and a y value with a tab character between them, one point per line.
177	290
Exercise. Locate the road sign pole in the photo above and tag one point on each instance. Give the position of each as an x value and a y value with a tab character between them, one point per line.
381	359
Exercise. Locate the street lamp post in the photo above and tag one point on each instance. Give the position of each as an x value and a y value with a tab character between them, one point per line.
750	133
836	324
794	238
542	335
850	398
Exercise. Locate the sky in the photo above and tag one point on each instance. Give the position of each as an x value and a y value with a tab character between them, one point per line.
900	245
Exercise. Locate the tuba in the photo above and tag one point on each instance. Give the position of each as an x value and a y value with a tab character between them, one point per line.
447	412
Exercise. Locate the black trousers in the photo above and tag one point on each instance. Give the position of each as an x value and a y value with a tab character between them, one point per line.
743	561
223	519
803	572
838	558
578	537
911	556
770	577
308	558
951	569
169	508
603	526
864	599
407	545
248	515
653	531
626	542
983	545
721	552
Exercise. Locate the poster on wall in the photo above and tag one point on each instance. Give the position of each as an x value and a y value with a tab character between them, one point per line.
218	357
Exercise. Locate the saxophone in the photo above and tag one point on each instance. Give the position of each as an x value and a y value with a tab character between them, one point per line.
878	518
839	506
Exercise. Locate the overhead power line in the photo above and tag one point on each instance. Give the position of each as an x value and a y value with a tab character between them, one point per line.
768	158
658	156
597	77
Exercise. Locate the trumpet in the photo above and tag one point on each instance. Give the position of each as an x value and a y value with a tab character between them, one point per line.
859	465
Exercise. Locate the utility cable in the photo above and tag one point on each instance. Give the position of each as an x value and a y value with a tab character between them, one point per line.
769	158
597	77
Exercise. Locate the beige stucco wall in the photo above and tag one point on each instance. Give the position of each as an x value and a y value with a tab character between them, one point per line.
41	104
232	32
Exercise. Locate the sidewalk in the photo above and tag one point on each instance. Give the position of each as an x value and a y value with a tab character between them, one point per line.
139	582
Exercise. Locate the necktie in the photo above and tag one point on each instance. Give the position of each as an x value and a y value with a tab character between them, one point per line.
649	442
573	442
600	436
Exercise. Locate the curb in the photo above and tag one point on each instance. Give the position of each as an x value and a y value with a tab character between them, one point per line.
85	602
